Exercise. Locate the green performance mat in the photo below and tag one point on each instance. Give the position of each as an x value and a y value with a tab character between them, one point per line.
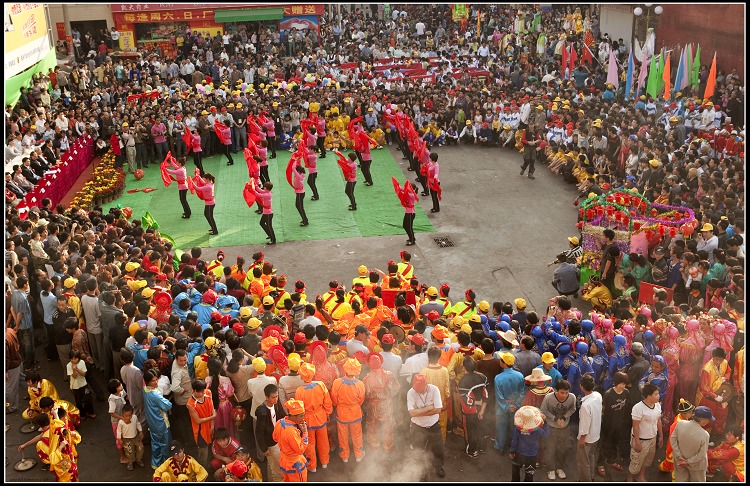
378	213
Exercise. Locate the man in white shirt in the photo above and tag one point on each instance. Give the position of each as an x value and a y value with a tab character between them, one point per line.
419	27
708	241
417	360
391	362
646	434
589	429
310	317
357	343
424	405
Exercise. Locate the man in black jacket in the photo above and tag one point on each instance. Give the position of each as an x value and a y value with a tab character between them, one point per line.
267	414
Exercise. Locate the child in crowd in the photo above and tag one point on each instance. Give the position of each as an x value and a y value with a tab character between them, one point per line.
223	448
116	402
79	386
130	433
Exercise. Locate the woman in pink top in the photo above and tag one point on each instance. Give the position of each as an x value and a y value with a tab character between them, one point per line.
205	186
263	153
266	198
311	163
320	125
195	145
408	198
433	182
349	168
180	174
270	127
298	182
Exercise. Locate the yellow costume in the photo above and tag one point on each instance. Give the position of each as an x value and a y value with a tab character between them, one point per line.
173	470
47	389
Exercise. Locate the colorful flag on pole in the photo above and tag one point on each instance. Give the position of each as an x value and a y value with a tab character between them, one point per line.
660	71
629	77
688	63
588	38
564	63
641	77
652	86
666	77
148	221
696	68
680	76
573	58
587	56
711	81
612	77
536	24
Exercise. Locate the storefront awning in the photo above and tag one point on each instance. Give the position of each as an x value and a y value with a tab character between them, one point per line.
248	14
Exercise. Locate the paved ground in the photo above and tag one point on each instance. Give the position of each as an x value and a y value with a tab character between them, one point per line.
504	227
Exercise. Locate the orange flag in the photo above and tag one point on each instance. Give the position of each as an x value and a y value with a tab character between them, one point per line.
667	77
711	81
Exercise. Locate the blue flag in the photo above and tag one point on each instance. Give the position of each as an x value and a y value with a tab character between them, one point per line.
680	72
629	78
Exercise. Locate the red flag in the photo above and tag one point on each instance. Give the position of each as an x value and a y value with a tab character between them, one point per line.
573	58
588	38
564	63
248	195
195	186
587	56
188	139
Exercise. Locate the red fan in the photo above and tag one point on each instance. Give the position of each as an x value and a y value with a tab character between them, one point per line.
222	131
188	139
165	176
248	194
252	164
434	185
348	173
289	169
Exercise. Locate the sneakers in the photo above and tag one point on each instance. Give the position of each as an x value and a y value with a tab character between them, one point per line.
312	470
130	466
561	474
551	475
140	463
324	466
359	459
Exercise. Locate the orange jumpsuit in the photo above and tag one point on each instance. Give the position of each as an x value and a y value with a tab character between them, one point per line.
318	406
348	395
292	445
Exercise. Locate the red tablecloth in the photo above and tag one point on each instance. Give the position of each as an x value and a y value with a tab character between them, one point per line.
56	186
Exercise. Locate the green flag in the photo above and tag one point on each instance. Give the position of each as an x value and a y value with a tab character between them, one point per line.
149	221
660	73
536	24
696	68
652	85
689	63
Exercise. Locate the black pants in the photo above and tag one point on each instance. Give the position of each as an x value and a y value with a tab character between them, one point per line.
181	428
423	182
208	212
266	222
51	347
528	161
311	182
350	193
228	153
300	205
120	160
273	144
409	225
84	400
365	165
198	161
321	146
435	200
93	384
471	431
430	439
185	206
264	174
528	463
213	142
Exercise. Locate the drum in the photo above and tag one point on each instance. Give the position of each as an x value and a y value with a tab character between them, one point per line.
398	333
